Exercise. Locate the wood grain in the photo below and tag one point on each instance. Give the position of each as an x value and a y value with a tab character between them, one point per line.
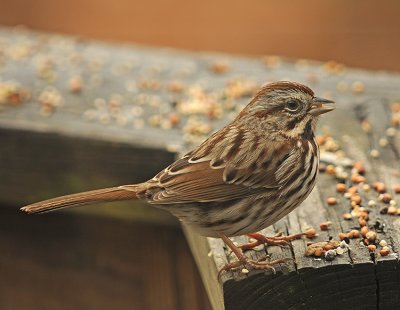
42	157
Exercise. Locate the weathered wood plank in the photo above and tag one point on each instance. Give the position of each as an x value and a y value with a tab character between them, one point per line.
116	130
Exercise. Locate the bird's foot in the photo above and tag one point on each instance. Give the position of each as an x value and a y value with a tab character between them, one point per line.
278	239
247	263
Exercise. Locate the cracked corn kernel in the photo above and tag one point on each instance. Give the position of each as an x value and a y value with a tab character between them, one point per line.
330	169
339	251
366	187
358	87
245	270
391	132
383	243
371	248
371	235
374	153
347	195
383	142
392	210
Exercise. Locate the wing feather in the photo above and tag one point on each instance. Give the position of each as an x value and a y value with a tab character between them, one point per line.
220	170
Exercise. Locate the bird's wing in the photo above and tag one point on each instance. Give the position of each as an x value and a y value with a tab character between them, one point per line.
219	172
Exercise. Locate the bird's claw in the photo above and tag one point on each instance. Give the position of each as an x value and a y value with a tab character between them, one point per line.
248	263
278	240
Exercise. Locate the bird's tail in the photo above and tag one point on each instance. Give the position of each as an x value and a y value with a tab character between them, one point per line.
79	199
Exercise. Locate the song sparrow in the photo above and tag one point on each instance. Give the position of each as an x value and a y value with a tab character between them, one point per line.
243	178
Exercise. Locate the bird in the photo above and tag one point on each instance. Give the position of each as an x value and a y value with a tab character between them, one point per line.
243	178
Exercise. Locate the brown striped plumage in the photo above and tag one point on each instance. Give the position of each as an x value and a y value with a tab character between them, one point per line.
244	177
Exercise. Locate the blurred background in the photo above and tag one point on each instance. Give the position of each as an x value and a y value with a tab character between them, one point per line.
106	259
357	33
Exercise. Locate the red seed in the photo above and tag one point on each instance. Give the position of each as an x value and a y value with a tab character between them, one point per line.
371	247
353	190
363	215
342	236
325	225
379	187
362	222
359	167
341	188
347	216
350	235
356	199
364	230
385	197
310	233
356	178
174	119
318	252
331	201
321	139
384	252
356	233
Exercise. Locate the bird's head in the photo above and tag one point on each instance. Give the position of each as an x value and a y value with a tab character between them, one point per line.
286	107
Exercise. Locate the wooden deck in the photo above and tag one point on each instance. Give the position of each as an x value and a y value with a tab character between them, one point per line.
120	128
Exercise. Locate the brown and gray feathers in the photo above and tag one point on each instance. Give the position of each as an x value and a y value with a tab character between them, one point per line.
80	199
238	161
231	164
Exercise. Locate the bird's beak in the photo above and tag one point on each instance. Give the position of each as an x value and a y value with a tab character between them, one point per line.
321	106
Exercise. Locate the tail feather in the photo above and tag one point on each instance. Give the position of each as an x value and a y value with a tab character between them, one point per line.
79	199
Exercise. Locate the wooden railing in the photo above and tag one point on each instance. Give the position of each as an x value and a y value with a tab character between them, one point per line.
78	115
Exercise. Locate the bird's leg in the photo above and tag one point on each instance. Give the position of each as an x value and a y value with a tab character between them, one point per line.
244	261
278	239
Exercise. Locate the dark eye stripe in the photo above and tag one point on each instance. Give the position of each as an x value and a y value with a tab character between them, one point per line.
292	123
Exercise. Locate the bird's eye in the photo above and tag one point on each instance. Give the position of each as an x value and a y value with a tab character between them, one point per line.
292	106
